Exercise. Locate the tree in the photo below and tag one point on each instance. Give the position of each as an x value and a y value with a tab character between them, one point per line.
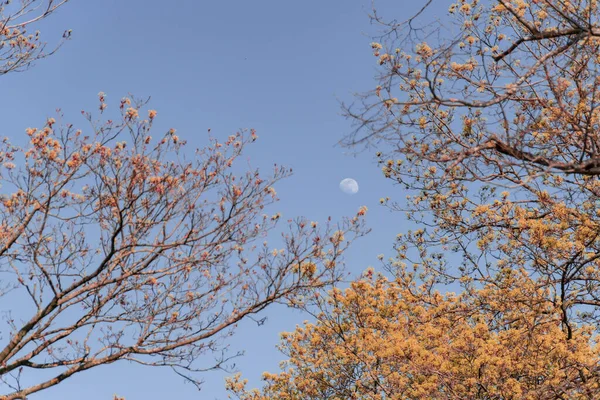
118	246
489	119
495	129
382	339
19	48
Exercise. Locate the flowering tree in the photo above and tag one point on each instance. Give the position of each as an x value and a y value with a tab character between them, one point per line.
383	339
20	48
491	117
117	246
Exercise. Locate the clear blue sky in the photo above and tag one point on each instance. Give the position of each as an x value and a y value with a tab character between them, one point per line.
277	66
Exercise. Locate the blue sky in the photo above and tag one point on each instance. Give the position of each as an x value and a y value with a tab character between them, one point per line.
280	67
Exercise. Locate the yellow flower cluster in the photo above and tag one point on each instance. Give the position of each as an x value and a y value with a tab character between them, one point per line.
382	339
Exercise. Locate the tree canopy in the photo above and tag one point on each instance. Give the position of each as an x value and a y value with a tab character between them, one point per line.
488	118
382	339
495	131
117	245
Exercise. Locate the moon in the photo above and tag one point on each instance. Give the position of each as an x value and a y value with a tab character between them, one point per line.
349	186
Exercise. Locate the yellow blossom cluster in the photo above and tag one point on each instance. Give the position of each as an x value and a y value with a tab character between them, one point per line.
382	339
